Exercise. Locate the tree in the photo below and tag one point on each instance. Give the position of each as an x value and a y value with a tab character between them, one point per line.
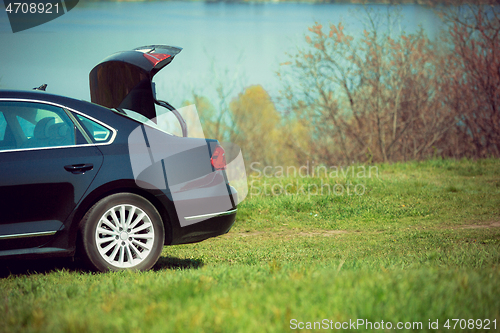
369	98
472	87
257	127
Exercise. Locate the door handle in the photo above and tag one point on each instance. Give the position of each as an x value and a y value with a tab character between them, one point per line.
79	168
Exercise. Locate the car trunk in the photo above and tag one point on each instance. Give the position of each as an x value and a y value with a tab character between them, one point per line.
124	79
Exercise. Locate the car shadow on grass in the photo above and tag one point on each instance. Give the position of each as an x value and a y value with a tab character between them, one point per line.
51	265
177	263
38	266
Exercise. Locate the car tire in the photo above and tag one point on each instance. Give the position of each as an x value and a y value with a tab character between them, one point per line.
123	231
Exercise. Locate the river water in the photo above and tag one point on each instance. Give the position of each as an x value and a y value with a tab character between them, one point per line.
233	44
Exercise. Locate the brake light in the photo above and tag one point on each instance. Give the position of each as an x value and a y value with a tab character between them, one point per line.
218	158
156	58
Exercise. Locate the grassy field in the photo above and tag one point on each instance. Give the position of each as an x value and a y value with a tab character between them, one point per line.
411	243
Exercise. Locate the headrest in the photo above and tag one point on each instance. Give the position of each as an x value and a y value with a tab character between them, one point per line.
42	128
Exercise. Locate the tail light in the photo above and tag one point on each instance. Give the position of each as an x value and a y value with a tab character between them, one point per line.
156	58
218	158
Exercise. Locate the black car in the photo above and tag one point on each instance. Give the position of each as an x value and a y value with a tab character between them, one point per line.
101	179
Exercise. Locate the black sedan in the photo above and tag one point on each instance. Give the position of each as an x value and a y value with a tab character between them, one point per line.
103	180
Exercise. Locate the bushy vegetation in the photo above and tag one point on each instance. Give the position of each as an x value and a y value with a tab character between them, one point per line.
389	96
422	243
381	96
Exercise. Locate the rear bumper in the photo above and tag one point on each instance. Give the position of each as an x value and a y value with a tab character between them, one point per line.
211	215
195	219
214	226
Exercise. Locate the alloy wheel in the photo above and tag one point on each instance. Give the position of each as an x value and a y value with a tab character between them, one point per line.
124	235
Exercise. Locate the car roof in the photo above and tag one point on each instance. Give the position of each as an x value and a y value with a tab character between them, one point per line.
91	109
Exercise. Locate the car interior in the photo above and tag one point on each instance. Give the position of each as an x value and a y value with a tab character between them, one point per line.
24	127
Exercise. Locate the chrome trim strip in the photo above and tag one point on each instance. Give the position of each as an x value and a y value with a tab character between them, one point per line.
29	234
46	148
229	212
113	130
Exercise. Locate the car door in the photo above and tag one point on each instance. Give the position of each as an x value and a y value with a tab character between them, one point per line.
46	165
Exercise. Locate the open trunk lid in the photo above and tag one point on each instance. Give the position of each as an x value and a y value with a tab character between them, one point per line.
124	79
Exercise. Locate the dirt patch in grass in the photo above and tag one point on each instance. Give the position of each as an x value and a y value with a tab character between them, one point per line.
483	225
247	233
325	233
331	233
493	224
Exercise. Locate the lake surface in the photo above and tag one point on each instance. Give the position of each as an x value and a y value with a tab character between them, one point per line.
236	44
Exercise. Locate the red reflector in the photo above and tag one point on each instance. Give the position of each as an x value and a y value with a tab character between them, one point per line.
218	158
156	58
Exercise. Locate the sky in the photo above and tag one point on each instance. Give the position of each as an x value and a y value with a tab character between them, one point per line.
234	44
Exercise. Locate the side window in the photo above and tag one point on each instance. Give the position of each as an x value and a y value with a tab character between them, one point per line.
34	125
27	127
3	126
7	140
97	132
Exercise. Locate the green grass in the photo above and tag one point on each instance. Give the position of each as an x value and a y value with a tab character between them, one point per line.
422	243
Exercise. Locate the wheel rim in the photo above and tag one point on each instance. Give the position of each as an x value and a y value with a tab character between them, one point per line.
124	236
